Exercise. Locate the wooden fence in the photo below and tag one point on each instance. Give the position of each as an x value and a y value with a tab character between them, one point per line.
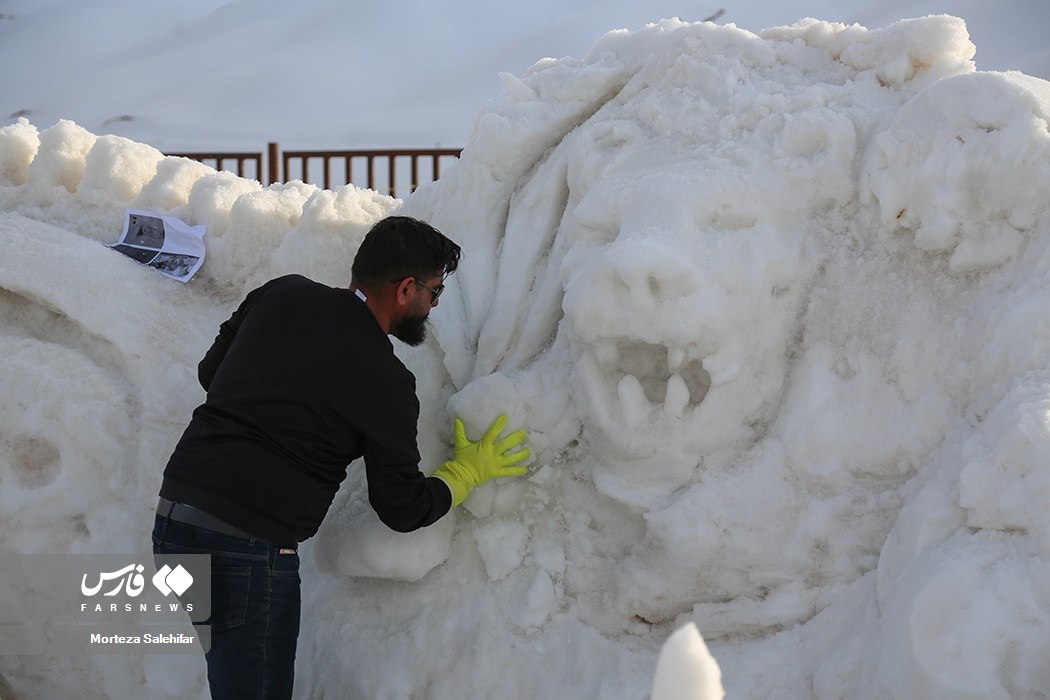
395	172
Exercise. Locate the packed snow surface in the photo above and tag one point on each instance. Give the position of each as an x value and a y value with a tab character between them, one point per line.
774	308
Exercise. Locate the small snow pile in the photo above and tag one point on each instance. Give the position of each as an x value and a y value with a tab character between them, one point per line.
17	147
686	670
772	306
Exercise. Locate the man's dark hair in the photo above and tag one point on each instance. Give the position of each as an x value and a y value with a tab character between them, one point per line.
398	247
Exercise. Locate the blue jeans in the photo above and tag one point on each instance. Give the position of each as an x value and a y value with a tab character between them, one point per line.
254	609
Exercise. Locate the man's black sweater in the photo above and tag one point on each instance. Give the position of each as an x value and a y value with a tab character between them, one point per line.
300	381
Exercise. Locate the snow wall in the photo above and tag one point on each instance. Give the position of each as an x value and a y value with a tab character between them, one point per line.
775	309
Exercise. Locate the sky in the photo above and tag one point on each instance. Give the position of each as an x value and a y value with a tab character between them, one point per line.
772	307
207	74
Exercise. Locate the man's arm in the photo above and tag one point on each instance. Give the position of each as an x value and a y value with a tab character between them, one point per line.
402	497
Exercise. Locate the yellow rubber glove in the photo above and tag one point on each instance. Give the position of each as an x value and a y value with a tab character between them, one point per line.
474	463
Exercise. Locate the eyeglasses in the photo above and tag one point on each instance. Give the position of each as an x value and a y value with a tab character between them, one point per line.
436	292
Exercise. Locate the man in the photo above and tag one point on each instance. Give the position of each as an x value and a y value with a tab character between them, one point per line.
301	380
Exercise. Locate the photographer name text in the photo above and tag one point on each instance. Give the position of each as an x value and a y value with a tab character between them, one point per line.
180	638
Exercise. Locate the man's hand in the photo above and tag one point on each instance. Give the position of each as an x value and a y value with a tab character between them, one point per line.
474	463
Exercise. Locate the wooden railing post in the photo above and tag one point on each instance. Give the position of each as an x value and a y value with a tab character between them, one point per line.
273	162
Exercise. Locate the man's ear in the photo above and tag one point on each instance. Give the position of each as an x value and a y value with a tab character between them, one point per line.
404	291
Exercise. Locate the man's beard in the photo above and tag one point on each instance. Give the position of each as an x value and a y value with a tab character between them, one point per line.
411	330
